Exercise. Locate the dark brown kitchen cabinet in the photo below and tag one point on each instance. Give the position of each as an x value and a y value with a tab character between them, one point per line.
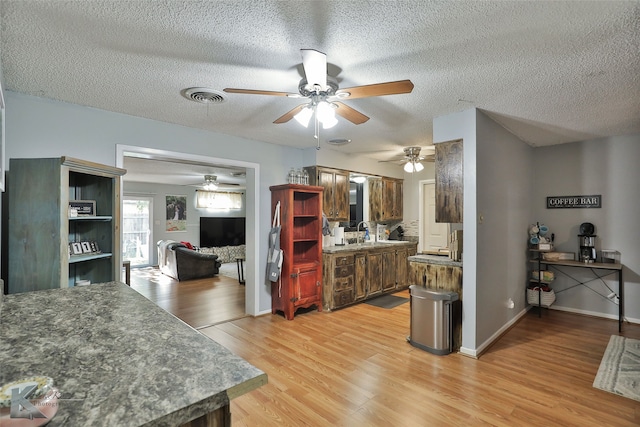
391	199
300	284
402	267
388	269
335	183
360	276
352	276
449	181
385	199
374	273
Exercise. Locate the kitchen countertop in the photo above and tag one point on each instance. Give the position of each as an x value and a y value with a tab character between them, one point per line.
366	246
116	358
435	259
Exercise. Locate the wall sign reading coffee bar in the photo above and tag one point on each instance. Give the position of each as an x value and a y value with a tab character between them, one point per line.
563	202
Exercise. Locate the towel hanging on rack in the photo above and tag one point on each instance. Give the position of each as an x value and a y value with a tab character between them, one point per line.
275	255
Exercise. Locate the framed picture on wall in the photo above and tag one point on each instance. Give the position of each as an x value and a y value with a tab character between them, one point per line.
176	213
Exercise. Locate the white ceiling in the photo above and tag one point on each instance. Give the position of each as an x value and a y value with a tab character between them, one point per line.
550	71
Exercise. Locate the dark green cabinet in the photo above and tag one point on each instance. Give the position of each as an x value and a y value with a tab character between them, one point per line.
42	231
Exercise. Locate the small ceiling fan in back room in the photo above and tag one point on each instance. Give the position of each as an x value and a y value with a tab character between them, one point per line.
325	97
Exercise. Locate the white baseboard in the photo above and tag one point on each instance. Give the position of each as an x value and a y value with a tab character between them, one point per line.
593	314
475	353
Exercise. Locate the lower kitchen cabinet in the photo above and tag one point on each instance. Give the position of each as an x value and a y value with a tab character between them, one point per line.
374	273
360	276
355	276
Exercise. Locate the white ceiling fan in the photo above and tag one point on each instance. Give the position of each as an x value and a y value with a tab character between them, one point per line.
211	183
412	158
325	96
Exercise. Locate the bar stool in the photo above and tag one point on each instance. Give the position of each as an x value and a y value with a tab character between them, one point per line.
239	263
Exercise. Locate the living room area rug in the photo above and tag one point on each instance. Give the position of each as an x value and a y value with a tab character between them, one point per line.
387	301
619	371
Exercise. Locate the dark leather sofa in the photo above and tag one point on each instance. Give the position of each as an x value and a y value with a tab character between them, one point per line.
178	261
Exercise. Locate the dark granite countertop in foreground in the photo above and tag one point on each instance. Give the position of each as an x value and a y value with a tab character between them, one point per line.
117	358
435	259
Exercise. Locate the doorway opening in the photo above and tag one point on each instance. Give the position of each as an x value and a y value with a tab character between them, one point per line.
252	253
434	236
137	217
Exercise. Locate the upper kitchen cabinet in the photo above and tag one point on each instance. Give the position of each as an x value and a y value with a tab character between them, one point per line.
335	183
51	246
385	199
449	181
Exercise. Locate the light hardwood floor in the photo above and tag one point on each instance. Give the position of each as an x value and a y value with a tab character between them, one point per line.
199	303
353	367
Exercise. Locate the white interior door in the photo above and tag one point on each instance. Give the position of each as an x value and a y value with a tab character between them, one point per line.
434	235
137	217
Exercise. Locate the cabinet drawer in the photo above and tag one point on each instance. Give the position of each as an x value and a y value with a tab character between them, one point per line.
343	283
343	271
344	260
343	298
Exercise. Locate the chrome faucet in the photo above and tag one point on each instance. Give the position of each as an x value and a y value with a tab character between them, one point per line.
358	232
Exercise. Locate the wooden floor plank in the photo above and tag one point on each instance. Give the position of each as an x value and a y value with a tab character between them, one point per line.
354	367
199	303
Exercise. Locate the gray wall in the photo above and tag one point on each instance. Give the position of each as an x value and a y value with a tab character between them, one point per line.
38	127
506	183
608	167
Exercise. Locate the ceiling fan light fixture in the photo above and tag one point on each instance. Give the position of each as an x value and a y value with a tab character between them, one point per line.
304	116
329	122
326	113
413	166
210	183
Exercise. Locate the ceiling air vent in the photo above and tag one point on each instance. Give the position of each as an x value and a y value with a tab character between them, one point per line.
203	95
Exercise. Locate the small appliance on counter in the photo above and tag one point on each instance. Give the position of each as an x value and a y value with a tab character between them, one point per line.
587	241
338	236
397	234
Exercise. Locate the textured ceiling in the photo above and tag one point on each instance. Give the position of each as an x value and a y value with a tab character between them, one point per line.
550	71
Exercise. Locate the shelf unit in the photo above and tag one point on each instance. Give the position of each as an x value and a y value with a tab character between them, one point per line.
607	268
539	262
40	228
300	284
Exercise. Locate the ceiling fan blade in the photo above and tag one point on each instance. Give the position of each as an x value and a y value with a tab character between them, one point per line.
379	89
315	67
288	116
350	114
258	92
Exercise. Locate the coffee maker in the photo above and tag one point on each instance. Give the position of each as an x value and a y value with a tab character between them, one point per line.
587	242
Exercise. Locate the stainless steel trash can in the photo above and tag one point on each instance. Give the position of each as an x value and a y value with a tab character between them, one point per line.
431	319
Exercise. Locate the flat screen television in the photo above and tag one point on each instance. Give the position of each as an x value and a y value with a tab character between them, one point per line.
221	231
